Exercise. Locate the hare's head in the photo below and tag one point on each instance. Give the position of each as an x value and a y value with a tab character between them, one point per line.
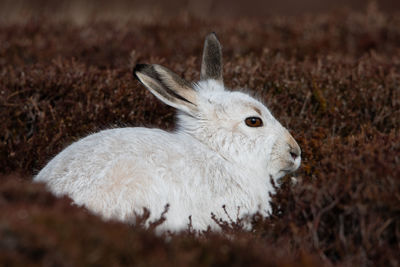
236	126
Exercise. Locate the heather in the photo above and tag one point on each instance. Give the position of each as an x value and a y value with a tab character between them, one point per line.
332	79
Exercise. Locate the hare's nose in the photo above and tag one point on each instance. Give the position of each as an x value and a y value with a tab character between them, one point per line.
294	148
295	152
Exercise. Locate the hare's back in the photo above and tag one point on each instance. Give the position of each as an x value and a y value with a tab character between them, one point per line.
112	157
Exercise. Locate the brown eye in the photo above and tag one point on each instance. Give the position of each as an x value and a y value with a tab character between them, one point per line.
254	122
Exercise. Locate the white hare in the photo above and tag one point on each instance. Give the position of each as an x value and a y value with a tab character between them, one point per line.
225	149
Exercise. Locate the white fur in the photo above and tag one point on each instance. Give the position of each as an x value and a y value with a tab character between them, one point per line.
212	159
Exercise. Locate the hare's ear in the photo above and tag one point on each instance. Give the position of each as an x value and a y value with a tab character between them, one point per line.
167	86
211	65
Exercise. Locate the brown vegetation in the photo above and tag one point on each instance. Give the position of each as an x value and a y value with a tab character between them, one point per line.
333	80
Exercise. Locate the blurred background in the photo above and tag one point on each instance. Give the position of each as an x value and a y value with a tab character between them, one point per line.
81	11
329	70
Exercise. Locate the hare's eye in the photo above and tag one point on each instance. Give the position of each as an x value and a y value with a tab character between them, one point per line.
253	122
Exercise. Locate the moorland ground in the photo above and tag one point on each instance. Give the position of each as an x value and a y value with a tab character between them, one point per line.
332	79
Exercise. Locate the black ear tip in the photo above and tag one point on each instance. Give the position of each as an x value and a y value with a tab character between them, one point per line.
212	35
138	68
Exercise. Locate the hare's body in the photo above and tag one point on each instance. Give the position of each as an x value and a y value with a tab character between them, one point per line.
223	154
120	179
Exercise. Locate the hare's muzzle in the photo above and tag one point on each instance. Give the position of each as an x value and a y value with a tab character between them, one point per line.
294	153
